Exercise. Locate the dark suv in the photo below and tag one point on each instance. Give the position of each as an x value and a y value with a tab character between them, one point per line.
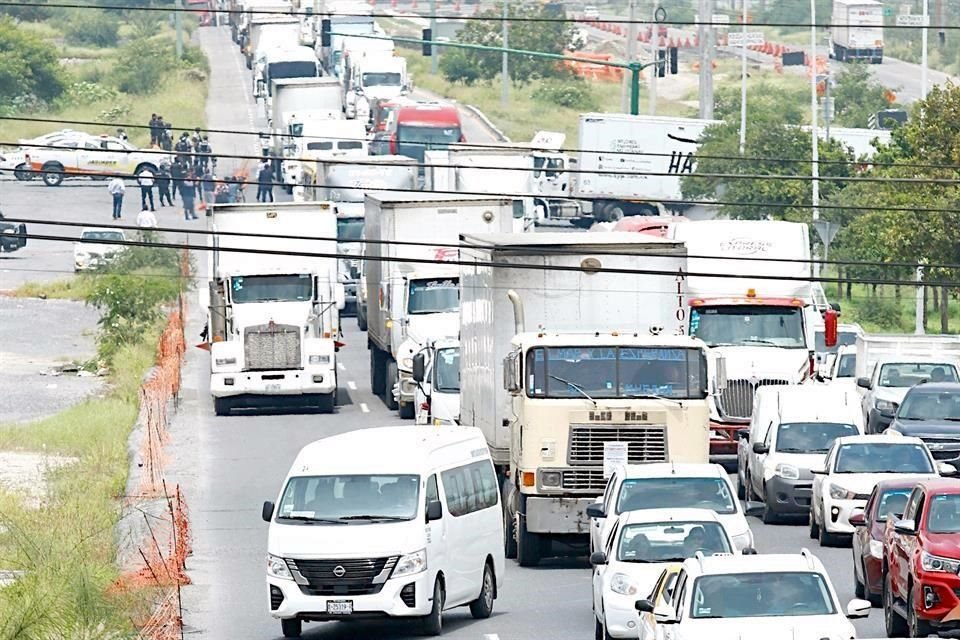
12	236
931	411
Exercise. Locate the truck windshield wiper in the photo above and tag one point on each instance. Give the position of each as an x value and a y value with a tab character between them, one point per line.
649	396
373	517
759	341
577	387
311	520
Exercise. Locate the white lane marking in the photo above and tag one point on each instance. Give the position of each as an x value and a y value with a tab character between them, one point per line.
352	385
491	636
341	367
364	408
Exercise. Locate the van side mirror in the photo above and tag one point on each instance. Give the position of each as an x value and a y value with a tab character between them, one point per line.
419	366
434	511
863	383
643	606
761	448
720	382
267	511
752	508
340	296
946	469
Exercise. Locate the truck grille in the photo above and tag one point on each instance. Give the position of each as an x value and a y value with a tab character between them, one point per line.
353	577
645	443
268	347
584	479
736	401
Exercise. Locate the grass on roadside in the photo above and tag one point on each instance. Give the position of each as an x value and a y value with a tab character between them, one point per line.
75	288
884	312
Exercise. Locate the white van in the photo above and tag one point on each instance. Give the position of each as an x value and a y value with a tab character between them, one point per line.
386	522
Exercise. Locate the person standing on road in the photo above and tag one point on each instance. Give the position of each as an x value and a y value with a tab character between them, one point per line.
146	219
265	183
177	173
146	179
166	138
209	185
117	189
163	183
188	192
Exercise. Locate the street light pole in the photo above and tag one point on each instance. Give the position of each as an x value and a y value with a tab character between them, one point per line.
631	54
814	134
923	53
434	60
743	80
705	33
505	61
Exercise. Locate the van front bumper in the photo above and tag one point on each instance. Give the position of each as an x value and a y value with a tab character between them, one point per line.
267	383
388	602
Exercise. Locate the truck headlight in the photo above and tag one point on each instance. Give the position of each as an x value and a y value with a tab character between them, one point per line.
886	407
931	562
277	567
411	564
319	360
550	478
221	362
839	493
787	472
622	584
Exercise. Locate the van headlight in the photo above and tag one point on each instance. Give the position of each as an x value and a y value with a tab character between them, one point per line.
787	472
319	359
411	564
277	568
622	584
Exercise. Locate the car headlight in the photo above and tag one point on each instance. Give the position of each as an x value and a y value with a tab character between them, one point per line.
886	406
225	361
406	363
839	493
787	471
622	584
277	567
936	563
876	549
550	478
411	564
319	359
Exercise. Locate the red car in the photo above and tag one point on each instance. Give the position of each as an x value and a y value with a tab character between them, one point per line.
888	499
921	562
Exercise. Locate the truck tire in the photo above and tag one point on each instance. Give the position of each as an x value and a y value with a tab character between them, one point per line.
917	627
52	174
361	319
507	497
614	212
376	371
528	544
390	380
222	406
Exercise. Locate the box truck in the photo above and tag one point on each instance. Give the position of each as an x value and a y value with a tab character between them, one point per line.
856	32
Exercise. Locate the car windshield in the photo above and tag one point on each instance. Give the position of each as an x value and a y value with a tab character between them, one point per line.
281	288
385	79
438	295
112	236
749	326
811	437
907	374
349	497
893	502
670	541
882	457
672	492
761	595
446	366
615	372
944	514
349	229
848	366
924	405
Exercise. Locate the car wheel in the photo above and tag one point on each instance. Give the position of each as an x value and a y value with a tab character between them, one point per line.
482	607
916	626
52	174
23	173
433	622
741	490
825	538
769	515
814	527
894	625
291	628
859	591
392	378
598	630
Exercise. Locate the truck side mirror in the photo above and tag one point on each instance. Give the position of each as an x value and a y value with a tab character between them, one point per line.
863	383
721	378
760	448
419	367
511	373
830	320
261	89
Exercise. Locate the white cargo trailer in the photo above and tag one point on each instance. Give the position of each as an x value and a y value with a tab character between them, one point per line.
856	33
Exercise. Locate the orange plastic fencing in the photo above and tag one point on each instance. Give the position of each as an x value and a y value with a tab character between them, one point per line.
597	72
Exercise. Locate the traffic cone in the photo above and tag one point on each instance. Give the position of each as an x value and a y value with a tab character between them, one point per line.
670	43
686	43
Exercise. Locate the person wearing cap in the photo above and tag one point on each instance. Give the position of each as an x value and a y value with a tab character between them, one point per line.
163	183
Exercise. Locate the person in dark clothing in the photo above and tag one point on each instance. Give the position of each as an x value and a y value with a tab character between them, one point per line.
183	149
203	151
188	193
208	184
265	183
166	138
163	183
155	128
178	172
146	180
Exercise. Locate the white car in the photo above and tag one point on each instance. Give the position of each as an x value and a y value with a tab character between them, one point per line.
841	368
99	157
670	485
853	468
731	597
92	252
641	545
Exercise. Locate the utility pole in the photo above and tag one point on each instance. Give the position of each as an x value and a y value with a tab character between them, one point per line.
505	61
178	25
654	52
434	60
918	322
814	134
743	80
827	116
923	53
705	32
631	55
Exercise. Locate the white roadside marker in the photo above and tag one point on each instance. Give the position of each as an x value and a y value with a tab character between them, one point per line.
352	385
364	408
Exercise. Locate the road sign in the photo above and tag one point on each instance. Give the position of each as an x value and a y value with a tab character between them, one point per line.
826	230
735	38
911	20
720	20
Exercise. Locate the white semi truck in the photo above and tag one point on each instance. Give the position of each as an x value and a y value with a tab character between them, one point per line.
273	318
574	361
856	31
763	321
412	297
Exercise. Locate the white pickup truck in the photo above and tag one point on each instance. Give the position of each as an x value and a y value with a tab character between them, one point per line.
94	156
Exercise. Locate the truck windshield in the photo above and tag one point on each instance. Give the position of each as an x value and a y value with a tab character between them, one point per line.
761	595
349	229
299	69
412	141
944	516
881	457
437	295
677	493
920	405
671	541
385	79
281	288
749	326
905	374
447	370
349	498
811	437
615	372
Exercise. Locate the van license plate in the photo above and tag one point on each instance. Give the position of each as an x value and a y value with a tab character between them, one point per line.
273	387
340	607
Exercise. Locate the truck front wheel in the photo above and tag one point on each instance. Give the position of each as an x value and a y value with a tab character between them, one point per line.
222	406
376	371
52	174
390	381
528	544
326	402
508	498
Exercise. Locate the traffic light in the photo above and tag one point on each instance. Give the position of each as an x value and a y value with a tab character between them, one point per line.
661	63
674	61
427	39
324	33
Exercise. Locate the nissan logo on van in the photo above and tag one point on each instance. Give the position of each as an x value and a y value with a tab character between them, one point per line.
339	571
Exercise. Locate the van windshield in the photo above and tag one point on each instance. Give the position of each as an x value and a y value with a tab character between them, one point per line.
349	499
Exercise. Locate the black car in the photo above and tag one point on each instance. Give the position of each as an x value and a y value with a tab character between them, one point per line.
931	411
12	236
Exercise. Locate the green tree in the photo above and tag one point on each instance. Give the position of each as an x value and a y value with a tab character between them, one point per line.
28	65
91	27
141	64
857	96
547	37
790	103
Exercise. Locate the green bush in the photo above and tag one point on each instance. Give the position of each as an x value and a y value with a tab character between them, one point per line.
456	66
883	312
571	93
28	65
142	64
93	28
81	93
